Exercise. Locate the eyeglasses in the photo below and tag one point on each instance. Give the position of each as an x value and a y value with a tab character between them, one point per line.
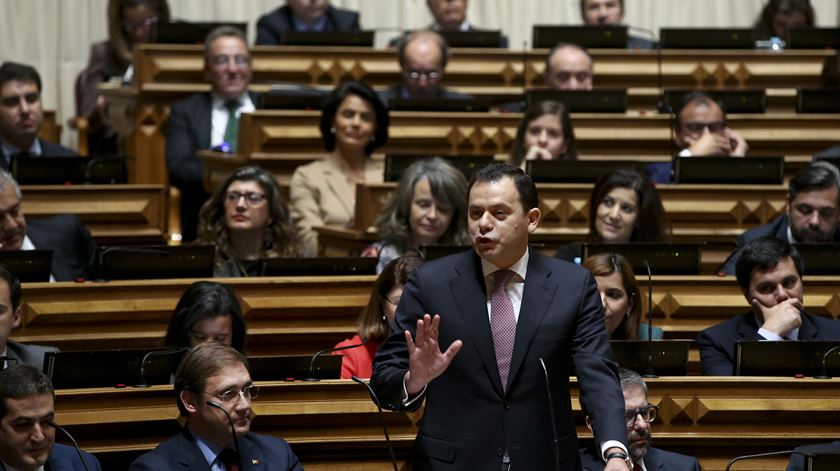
223	60
251	198
231	395
132	25
417	76
715	127
647	412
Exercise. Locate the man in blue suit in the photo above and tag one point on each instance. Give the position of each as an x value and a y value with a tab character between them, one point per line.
27	425
22	115
639	414
304	15
214	390
507	321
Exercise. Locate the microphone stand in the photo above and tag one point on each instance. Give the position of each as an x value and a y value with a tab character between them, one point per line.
649	373
824	363
232	431
151	354
758	455
551	411
73	440
311	373
381	416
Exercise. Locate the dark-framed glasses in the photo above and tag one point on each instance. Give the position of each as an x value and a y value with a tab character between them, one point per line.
251	198
647	412
223	60
231	395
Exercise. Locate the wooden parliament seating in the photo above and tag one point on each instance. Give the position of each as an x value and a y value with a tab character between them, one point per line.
333	425
114	214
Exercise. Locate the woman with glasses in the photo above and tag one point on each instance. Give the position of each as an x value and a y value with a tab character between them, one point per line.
207	312
624	208
130	22
428	207
545	133
354	123
375	321
247	220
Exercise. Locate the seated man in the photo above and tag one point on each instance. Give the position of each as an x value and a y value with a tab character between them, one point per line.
639	414
568	67
213	388
21	115
451	15
797	458
73	247
423	56
203	120
610	12
700	130
11	313
811	216
769	274
27	427
304	15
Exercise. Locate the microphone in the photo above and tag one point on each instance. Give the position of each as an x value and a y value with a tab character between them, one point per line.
155	353
311	373
4	359
551	411
824	363
381	417
72	440
763	455
232	430
649	373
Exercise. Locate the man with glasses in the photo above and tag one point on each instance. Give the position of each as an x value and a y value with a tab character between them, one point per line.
22	115
214	392
423	56
208	120
811	215
568	67
639	414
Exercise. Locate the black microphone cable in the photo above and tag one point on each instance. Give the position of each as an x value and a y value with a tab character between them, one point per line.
649	373
381	416
232	430
762	455
551	411
73	440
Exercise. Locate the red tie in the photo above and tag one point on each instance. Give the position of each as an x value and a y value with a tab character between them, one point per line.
637	467
228	458
502	324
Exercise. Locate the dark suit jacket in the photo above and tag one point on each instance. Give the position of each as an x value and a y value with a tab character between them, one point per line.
717	343
48	148
72	245
65	458
468	420
503	40
181	453
797	462
830	152
395	91
32	355
655	460
636	42
271	25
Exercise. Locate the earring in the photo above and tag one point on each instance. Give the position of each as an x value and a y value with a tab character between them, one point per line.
332	130
627	315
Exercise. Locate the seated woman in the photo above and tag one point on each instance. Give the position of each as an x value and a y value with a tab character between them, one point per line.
624	208
207	312
778	17
428	207
620	296
247	220
375	321
545	133
130	22
354	123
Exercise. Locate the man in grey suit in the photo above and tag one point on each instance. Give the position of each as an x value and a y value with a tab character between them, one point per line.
22	115
208	120
11	314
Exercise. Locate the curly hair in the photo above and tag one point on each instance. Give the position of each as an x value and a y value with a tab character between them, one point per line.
448	185
279	239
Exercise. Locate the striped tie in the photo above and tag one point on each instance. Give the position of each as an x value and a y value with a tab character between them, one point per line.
502	324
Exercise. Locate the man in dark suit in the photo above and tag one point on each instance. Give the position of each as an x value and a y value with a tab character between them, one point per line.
208	120
22	115
451	15
11	314
812	212
769	274
500	311
611	12
639	414
214	390
423	56
797	459
72	245
27	427
304	15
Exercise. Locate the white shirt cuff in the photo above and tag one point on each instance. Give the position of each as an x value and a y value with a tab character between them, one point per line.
611	444
769	335
407	402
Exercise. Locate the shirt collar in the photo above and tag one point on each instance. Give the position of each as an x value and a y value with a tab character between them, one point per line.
465	26
218	102
9	150
210	452
9	468
318	26
520	267
790	238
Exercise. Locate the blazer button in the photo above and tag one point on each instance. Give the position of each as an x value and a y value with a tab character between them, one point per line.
506	405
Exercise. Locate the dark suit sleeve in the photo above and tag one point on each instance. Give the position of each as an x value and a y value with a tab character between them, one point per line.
143	464
86	248
717	349
600	392
183	166
266	34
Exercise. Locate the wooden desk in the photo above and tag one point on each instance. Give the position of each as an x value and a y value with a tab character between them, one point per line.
114	214
333	425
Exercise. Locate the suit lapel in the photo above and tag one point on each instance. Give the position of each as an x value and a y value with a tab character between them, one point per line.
337	185
653	461
189	455
808	330
205	122
469	291
536	298
747	327
252	458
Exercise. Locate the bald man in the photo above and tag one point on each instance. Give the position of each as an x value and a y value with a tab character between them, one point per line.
568	67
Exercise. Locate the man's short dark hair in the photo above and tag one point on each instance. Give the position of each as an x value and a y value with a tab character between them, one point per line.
201	362
583	6
817	176
21	381
220	32
14	285
21	72
699	98
495	171
763	254
439	40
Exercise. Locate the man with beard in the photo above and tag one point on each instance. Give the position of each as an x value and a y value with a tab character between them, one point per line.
213	388
812	213
639	414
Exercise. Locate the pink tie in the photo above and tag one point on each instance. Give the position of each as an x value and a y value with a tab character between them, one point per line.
502	324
